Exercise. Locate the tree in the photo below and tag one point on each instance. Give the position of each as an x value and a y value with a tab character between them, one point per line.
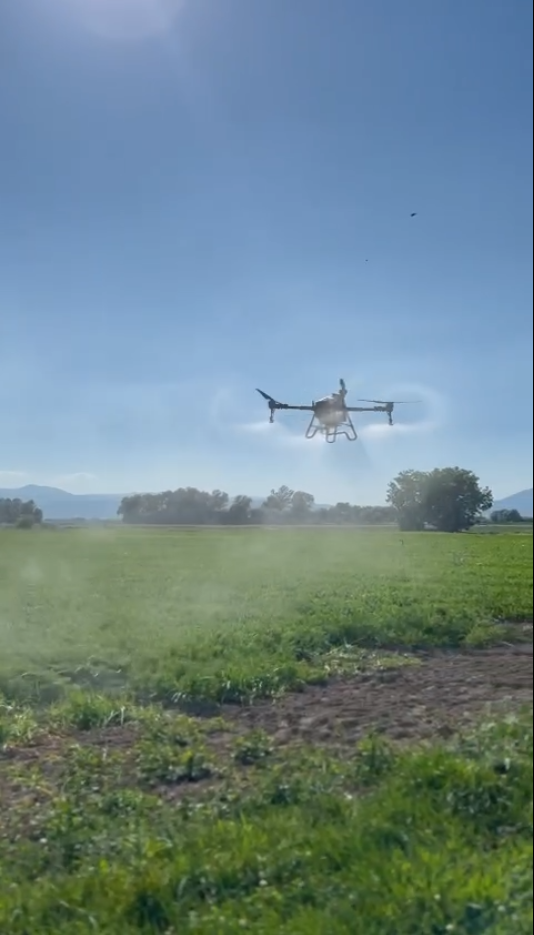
301	506
279	500
185	506
341	513
454	499
13	511
506	516
406	495
449	499
240	511
25	522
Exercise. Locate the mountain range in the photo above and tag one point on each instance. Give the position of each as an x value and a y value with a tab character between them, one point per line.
59	504
522	502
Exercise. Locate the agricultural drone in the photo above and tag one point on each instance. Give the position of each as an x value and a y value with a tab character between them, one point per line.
331	416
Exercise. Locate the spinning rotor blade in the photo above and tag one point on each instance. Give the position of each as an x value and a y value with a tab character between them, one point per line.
391	402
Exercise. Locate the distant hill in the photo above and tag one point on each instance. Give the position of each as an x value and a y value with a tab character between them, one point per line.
60	504
522	502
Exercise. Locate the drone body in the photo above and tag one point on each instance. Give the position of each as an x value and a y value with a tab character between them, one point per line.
330	414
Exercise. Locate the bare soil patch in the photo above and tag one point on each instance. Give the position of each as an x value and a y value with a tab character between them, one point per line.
435	698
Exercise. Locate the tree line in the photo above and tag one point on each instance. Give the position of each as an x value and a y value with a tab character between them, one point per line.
446	499
19	512
503	517
192	507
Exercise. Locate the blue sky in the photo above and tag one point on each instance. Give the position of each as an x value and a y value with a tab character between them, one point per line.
214	195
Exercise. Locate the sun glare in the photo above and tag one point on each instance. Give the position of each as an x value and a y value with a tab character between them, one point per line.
126	19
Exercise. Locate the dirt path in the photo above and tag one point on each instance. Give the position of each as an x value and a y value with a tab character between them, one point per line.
431	699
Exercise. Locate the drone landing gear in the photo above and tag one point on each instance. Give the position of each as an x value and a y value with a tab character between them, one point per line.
330	433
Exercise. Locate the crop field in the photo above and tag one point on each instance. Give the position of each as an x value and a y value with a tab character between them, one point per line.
295	731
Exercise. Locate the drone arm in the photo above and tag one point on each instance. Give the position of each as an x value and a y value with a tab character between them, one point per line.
299	408
276	405
367	409
273	404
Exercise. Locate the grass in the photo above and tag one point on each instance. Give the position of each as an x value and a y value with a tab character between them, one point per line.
377	842
122	815
235	614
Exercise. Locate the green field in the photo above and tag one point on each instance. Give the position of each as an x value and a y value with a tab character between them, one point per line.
235	613
122	814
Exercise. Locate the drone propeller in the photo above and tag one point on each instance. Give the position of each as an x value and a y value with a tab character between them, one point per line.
266	396
394	402
273	404
389	406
